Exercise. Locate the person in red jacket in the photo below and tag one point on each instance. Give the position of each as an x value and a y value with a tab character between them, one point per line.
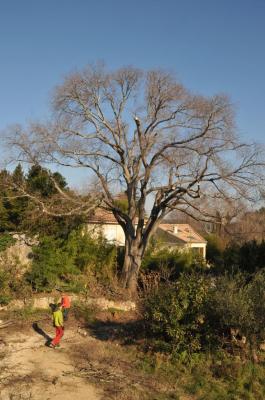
65	304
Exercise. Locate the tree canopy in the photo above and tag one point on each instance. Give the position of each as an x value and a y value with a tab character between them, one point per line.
144	134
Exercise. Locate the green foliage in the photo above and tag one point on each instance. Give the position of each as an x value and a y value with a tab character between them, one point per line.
12	283
215	249
173	313
248	257
72	262
84	312
6	241
228	304
4	217
18	175
51	265
226	378
40	180
235	302
168	262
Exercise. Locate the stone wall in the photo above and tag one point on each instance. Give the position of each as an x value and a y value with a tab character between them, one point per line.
43	303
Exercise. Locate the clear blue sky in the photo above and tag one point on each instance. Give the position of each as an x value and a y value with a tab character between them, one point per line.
212	45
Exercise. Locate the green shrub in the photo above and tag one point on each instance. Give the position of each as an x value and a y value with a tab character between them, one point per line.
170	263
93	256
12	282
51	265
84	312
173	313
237	303
71	263
228	303
6	241
248	257
215	250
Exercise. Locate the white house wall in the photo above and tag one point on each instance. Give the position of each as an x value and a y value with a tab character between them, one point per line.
201	246
113	233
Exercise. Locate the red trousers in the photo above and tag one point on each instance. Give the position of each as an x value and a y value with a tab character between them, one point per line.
59	330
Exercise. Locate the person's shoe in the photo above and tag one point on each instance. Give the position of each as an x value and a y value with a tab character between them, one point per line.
52	345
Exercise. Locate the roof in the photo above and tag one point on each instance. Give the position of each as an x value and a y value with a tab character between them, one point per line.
185	233
101	216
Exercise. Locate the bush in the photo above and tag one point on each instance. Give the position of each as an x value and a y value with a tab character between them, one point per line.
71	263
237	303
6	241
51	265
215	250
227	304
173	313
248	258
170	263
12	282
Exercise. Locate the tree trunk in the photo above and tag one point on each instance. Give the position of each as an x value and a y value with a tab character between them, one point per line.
132	262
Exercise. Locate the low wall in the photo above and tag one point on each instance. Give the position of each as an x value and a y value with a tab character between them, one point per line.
43	303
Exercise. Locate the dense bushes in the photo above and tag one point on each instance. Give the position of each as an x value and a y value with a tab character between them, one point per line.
248	257
171	263
239	303
71	262
6	241
198	311
173	313
12	281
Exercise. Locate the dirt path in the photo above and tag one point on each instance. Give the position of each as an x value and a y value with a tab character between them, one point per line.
31	371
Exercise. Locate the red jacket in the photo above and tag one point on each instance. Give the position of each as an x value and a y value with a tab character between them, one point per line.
66	302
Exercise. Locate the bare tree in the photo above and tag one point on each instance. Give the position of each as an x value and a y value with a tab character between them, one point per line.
145	135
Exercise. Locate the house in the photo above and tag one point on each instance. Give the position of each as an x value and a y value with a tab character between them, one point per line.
182	236
103	222
170	235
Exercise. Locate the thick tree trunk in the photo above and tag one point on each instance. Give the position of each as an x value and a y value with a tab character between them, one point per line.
134	252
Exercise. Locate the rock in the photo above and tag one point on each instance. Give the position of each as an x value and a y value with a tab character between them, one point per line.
82	332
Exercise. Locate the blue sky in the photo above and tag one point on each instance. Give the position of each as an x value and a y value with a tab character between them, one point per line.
212	46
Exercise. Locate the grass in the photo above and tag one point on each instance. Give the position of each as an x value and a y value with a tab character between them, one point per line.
83	313
27	314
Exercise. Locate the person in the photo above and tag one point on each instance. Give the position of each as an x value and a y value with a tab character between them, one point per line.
58	323
65	304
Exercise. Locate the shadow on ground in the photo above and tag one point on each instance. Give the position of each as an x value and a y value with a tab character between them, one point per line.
129	332
41	332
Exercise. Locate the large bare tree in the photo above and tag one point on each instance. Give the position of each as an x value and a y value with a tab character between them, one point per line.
144	134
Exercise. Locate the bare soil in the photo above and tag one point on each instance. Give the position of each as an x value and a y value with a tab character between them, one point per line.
31	370
94	362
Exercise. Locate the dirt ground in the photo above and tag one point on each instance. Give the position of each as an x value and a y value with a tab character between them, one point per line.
31	370
94	362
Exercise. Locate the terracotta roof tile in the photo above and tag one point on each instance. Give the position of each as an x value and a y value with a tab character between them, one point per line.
101	216
184	232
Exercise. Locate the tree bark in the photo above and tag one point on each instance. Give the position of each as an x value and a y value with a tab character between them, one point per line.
133	256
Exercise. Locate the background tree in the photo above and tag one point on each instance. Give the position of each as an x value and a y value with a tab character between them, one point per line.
144	134
41	180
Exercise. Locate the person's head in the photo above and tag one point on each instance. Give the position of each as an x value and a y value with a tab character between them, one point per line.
54	307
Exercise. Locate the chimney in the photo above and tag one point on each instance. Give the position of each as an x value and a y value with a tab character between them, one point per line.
175	229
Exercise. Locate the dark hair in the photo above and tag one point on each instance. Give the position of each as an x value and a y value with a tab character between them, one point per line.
54	307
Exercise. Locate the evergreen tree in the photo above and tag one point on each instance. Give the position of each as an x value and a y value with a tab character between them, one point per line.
39	180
